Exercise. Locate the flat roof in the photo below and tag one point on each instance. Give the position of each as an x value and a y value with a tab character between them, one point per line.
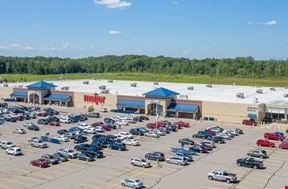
217	93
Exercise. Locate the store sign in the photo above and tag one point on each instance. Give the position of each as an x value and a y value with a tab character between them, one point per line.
95	99
252	109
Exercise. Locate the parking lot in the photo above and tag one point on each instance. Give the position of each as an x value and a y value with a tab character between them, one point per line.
108	172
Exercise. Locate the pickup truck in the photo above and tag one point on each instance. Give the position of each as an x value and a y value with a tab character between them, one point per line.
274	136
250	162
222	176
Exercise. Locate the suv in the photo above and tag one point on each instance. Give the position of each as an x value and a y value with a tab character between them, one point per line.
38	143
266	143
140	162
178	160
202	134
14	151
249	122
68	152
6	144
275	136
186	141
118	146
50	158
249	162
93	115
156	156
258	153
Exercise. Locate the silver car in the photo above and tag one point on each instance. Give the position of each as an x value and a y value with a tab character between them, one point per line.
132	183
177	160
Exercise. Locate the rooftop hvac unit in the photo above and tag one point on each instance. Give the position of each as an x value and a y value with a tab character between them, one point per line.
65	88
86	82
209	86
156	83
240	95
133	84
190	88
272	89
110	81
285	95
183	96
5	85
256	100
95	94
102	87
105	91
259	91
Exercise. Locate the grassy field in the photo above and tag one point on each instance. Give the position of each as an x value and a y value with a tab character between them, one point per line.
276	82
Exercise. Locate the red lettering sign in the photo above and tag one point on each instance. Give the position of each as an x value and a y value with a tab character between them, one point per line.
94	99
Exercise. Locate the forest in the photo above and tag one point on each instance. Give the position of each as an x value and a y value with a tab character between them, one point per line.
224	67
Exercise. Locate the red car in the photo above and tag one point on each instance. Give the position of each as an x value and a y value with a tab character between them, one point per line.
97	124
106	127
181	123
249	122
265	143
284	145
151	125
274	136
39	163
54	123
160	124
42	114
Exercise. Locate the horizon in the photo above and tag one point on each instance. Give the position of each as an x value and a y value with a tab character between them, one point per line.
173	28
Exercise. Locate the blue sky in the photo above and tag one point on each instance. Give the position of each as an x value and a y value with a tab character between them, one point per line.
177	28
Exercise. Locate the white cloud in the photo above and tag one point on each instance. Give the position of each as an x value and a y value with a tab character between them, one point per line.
66	45
16	46
268	23
112	4
114	32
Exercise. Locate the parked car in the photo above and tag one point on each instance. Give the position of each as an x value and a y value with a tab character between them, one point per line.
258	153
94	152
202	134
187	157
181	123
19	131
43	121
62	132
131	142
132	183
140	162
50	158
62	138
33	128
93	115
6	144
250	162
275	136
38	143
249	122
54	123
61	157
155	156
186	141
265	143
80	139
85	156
68	152
222	176
103	110
208	143
136	131
283	145
217	139
15	151
117	146
40	163
177	160
152	134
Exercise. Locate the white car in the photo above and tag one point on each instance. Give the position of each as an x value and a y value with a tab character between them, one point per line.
6	144
82	125
121	122
115	118
62	138
103	110
15	151
132	183
151	134
159	132
131	142
125	135
99	129
65	120
90	130
68	152
19	131
225	136
141	162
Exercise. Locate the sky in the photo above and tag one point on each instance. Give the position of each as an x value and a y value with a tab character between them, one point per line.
177	28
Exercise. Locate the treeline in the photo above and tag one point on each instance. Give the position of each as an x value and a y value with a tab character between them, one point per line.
241	66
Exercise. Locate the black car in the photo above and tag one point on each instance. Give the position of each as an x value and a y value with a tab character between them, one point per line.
33	127
85	156
94	152
137	119
53	118
93	115
61	156
80	139
186	141
155	156
144	118
198	148
117	146
250	162
108	120
99	144
43	121
62	132
82	147
136	131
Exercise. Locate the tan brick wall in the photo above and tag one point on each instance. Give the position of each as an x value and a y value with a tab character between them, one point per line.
227	112
5	92
110	101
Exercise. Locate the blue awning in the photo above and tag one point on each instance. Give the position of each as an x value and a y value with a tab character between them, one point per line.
252	116
22	94
57	97
131	103
161	92
41	85
183	107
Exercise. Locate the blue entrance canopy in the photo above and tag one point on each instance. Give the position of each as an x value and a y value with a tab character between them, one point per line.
252	116
183	107
131	103
57	97
21	94
41	85
161	92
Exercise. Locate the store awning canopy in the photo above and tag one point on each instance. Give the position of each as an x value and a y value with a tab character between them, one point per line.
252	116
131	103
41	85
57	97
161	92
183	107
21	94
